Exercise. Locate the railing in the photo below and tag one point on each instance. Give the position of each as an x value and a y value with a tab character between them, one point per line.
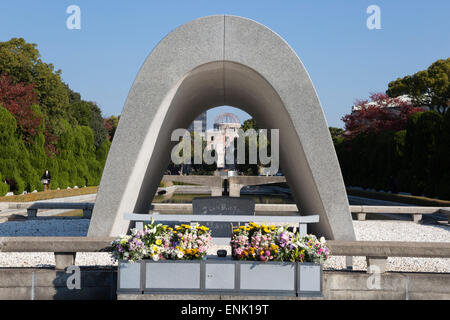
416	212
376	252
87	208
64	248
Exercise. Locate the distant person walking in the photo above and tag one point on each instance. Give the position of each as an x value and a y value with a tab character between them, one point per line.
46	177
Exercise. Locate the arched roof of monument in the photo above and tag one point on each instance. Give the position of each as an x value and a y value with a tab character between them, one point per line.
215	61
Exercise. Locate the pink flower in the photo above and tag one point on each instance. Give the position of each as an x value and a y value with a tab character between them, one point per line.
284	236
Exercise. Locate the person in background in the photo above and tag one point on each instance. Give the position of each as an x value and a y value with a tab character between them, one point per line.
46	180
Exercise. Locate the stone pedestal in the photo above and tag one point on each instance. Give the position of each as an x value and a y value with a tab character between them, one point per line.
64	259
376	264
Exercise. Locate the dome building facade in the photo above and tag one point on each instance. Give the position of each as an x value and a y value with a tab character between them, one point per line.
220	138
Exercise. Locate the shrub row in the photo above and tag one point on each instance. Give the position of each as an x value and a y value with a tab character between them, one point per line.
78	162
415	160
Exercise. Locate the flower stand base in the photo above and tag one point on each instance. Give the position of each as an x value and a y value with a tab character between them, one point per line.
220	276
171	276
129	277
309	280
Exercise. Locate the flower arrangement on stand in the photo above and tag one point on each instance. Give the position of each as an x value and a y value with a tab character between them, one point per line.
161	242
270	243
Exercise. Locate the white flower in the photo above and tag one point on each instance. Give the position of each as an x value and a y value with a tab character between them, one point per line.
155	257
180	254
322	240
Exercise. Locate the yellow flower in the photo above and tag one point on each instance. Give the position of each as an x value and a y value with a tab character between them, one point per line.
158	242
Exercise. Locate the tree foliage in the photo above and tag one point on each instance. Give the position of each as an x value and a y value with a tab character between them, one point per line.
430	88
415	158
111	124
97	125
44	124
19	98
381	113
22	62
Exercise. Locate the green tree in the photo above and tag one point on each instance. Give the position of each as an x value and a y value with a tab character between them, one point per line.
429	87
81	111
15	164
22	61
441	161
422	135
336	134
97	125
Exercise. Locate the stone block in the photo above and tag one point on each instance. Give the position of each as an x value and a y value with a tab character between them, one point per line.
417	218
376	264
361	216
64	259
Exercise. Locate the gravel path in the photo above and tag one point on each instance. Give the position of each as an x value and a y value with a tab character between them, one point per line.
365	230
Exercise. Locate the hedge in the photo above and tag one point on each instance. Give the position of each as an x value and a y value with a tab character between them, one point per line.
78	162
416	160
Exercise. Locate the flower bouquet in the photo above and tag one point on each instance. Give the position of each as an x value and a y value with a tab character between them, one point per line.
161	242
270	243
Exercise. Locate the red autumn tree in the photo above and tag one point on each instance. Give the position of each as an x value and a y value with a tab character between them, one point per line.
18	99
381	113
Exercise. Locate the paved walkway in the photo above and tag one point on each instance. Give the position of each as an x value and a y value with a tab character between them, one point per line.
20	208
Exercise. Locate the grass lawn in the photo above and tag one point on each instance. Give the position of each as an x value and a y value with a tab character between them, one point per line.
51	194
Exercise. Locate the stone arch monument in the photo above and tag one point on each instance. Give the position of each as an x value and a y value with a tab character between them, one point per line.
214	61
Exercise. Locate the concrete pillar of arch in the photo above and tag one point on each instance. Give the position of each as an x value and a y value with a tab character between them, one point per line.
215	61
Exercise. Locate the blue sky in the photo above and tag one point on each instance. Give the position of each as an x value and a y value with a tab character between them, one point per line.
344	58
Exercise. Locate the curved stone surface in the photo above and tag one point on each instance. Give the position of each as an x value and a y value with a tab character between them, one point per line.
209	62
